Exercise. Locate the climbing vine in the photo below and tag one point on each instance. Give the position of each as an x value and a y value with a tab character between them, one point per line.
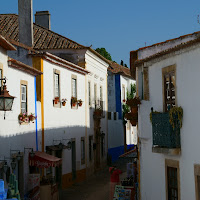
176	113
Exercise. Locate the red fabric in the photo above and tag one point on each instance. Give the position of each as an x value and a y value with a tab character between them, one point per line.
44	160
114	174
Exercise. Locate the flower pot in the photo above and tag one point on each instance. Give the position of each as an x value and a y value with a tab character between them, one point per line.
63	103
79	104
73	104
134	109
31	118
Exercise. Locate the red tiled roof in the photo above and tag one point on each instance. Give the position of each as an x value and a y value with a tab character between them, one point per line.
5	44
165	52
21	66
43	38
119	69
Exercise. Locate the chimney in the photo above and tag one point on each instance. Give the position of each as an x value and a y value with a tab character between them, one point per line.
42	18
25	12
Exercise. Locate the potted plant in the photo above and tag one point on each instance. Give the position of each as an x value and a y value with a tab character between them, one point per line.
98	111
64	102
31	117
23	117
133	103
56	100
73	101
80	102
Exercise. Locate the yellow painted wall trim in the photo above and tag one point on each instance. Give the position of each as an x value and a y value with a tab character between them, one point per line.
38	64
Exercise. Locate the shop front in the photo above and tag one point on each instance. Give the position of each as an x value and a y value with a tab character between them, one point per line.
43	181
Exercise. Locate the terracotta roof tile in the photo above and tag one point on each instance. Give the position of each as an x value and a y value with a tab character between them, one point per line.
5	44
119	69
43	38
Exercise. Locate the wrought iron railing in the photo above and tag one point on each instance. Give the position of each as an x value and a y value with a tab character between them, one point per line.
163	133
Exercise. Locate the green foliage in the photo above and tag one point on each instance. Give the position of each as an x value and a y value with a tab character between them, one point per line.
131	94
125	107
176	113
104	53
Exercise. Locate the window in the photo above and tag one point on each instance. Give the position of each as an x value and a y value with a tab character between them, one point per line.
89	93
115	115
90	147
169	81
101	93
102	147
82	150
95	93
74	87
23	98
109	115
123	93
172	183
56	85
172	179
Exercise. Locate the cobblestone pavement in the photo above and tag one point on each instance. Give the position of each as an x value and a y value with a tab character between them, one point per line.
95	188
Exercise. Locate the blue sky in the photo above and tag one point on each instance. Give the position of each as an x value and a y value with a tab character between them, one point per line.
118	25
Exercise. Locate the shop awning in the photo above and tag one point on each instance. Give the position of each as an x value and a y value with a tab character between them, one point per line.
44	160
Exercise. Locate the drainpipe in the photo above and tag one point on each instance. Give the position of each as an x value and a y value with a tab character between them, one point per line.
36	124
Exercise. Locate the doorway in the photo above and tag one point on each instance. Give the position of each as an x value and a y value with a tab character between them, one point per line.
73	160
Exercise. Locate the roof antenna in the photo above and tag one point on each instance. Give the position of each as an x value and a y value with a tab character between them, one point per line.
145	44
198	19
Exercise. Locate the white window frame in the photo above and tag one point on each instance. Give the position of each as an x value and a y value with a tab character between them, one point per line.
23	100
74	87
56	85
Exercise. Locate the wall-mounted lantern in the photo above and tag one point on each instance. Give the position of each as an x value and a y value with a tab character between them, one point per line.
6	100
32	153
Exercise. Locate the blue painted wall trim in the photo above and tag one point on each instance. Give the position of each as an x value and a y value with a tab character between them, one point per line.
118	96
36	124
117	151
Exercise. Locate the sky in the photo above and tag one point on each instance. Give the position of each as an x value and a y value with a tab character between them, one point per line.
120	26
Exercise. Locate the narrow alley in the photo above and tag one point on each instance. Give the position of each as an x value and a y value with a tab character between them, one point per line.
97	187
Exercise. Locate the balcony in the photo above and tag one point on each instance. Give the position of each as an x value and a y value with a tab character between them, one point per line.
165	138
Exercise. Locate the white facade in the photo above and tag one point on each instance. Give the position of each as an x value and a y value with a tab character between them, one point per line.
16	136
153	165
117	93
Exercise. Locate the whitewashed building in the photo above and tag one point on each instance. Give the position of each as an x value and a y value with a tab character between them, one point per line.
167	74
15	133
119	82
65	65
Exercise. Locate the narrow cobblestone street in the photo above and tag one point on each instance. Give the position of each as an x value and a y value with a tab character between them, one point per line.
95	188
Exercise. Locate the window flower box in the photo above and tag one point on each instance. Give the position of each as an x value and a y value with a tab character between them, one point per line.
56	100
25	118
74	101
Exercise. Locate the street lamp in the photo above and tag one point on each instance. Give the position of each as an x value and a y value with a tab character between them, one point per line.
6	100
18	156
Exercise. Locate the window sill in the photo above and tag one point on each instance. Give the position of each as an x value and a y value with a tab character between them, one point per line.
24	123
168	151
75	106
57	105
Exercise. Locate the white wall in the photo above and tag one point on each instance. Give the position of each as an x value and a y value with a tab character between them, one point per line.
98	75
152	164
64	122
